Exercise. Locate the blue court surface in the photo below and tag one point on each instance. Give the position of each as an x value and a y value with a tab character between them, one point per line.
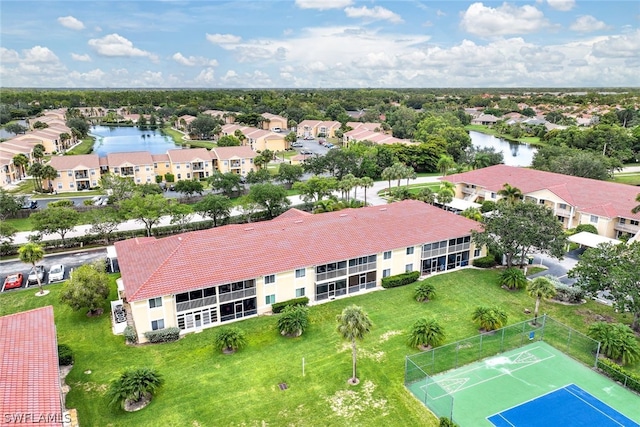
569	406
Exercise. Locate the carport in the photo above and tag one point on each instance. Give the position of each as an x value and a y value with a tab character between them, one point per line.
459	205
590	240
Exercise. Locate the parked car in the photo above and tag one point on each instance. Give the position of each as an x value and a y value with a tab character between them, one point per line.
308	137
31	204
13	281
96	200
296	144
172	187
56	273
305	152
36	273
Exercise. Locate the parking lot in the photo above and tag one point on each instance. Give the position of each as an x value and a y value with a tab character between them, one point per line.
310	146
69	260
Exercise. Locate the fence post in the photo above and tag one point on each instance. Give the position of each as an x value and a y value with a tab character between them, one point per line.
502	341
524	327
544	322
480	351
597	355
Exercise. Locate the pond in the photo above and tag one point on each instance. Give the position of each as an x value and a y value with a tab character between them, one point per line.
8	135
120	139
514	154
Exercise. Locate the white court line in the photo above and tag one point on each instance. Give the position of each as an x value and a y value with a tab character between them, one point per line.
606	415
501	416
528	401
492	378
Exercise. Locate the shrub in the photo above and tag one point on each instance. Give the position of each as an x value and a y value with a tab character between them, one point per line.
489	318
130	334
294	320
400	279
133	385
230	339
513	278
424	292
590	228
617	341
485	262
278	307
163	335
488	206
169	177
426	333
569	294
619	374
446	422
65	355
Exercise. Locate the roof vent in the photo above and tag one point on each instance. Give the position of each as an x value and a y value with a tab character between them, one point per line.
383	209
298	221
248	229
343	214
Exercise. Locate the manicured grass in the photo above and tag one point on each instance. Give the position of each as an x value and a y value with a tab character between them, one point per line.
24	187
204	387
531	140
85	147
178	139
627	178
20	224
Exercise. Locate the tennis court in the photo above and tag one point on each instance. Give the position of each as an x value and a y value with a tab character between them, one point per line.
534	385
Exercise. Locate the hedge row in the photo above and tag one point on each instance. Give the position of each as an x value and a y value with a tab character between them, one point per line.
618	374
279	306
488	261
130	334
163	335
65	355
400	279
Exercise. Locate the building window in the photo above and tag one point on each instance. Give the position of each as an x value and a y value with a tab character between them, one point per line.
299	292
301	272
187	166
157	324
270	299
269	279
493	195
166	165
562	206
188	175
155	166
410	250
594	219
387	255
155	302
634	222
59	186
177	166
386	272
69	173
476	253
179	176
408	268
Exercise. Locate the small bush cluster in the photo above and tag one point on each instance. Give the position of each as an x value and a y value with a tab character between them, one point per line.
400	279
446	422
163	335
569	294
618	373
130	334
279	306
488	261
65	355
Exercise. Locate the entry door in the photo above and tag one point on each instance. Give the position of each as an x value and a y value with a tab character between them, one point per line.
332	289
198	320
363	281
434	265
458	260
239	310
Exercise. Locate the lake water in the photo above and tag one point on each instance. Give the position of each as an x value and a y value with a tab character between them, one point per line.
8	135
119	139
514	154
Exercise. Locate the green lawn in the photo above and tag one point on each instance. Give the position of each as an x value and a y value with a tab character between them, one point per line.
627	178
491	131
85	147
204	387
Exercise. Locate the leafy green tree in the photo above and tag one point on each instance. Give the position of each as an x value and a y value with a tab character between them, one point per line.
445	162
189	188
293	320
229	183
7	233
147	189
53	220
9	204
15	128
133	386
427	195
515	230
230	339
38	152
612	268
260	176
32	253
203	126
540	288
617	341
104	222
472	213
489	318
181	214
513	278
88	286
424	292
49	173
426	333
148	210
353	324
80	125
214	206
119	188
289	173
228	141
270	197
316	188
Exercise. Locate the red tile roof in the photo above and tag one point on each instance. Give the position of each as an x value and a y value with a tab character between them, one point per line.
226	153
135	158
29	375
231	253
188	155
81	161
591	196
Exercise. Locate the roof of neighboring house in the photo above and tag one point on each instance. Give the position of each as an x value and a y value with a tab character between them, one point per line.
160	157
225	153
309	123
236	252
29	374
273	117
188	155
485	118
86	161
592	196
132	158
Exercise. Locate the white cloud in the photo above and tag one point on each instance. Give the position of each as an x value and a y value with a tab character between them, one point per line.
587	24
39	54
8	56
563	5
323	4
193	61
222	39
376	13
206	76
115	45
81	58
71	23
623	46
503	20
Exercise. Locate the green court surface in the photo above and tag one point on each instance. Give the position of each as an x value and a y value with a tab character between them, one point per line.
495	384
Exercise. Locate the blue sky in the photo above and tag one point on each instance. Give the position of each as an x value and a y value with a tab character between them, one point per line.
319	44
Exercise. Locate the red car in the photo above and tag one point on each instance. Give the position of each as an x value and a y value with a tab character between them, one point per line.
13	281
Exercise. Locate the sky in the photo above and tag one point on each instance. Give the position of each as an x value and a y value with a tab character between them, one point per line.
319	44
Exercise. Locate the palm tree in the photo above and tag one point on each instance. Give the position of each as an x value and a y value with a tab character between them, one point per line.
353	324
513	278
617	341
510	194
540	288
472	213
424	292
637	208
229	340
31	253
427	195
35	170
49	173
489	318
38	152
20	161
367	182
133	386
293	320
426	333
445	163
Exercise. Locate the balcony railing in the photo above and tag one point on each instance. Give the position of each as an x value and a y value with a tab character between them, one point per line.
197	166
82	175
563	212
627	228
468	190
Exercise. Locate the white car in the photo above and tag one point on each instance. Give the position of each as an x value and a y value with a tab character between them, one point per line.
56	273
